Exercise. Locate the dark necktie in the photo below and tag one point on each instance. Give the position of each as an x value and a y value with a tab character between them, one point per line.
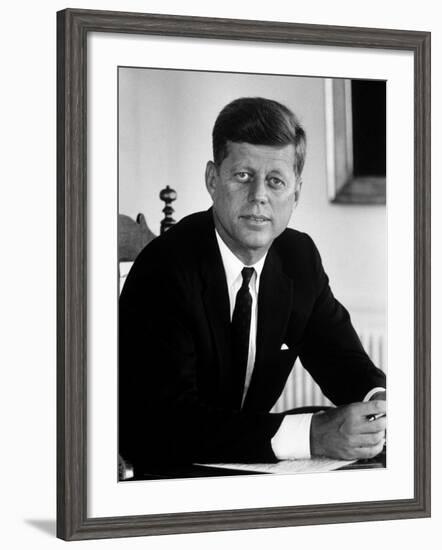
240	335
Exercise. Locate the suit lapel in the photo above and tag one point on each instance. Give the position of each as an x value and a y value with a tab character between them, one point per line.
216	303
274	305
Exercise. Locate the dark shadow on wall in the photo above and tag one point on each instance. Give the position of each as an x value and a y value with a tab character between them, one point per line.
48	526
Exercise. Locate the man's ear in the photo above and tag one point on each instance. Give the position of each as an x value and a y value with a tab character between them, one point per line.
211	177
298	186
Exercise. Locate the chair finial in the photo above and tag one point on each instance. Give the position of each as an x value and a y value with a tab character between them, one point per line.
167	195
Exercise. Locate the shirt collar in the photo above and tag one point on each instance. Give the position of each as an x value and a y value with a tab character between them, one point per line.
233	265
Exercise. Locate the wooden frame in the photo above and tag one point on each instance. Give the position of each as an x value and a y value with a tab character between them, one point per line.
344	187
73	28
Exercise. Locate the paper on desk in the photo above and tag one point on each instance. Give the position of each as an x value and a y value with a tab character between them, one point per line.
306	466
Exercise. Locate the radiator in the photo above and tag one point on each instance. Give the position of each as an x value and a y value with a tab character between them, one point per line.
301	390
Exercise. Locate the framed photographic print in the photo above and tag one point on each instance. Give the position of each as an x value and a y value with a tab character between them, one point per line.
321	130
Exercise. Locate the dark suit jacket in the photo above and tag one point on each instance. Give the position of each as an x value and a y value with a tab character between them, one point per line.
175	399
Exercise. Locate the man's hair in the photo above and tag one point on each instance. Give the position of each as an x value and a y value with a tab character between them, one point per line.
258	121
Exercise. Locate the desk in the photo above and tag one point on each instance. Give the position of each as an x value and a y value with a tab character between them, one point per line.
158	472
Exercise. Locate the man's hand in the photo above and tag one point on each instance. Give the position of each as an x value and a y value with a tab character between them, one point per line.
379	395
346	433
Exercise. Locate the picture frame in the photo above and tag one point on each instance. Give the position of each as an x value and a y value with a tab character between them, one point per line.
347	183
73	28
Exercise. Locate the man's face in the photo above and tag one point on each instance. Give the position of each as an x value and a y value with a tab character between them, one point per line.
254	191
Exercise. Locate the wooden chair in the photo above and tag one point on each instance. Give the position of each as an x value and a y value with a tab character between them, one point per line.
133	236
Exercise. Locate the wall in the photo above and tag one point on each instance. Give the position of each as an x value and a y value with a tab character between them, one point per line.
166	120
27	392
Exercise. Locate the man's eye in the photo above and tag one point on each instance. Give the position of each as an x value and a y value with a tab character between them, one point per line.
276	182
242	176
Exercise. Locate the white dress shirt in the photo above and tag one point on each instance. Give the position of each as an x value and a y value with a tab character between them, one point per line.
292	440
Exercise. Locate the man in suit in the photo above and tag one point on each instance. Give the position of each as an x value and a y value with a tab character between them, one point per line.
215	312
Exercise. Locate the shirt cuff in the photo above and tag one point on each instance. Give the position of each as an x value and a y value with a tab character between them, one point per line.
371	393
292	440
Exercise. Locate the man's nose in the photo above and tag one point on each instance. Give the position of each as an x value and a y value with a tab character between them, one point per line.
258	190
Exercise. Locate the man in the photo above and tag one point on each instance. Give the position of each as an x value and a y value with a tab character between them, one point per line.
215	312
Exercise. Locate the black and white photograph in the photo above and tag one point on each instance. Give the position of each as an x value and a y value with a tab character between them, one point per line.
252	274
219	238
243	220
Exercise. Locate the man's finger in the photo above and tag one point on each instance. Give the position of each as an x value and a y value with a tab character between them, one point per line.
368	440
378	425
369	408
368	452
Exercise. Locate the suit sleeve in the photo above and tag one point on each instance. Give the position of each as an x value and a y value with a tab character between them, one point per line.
331	350
165	413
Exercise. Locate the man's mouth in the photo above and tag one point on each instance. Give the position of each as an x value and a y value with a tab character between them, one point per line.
256	219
